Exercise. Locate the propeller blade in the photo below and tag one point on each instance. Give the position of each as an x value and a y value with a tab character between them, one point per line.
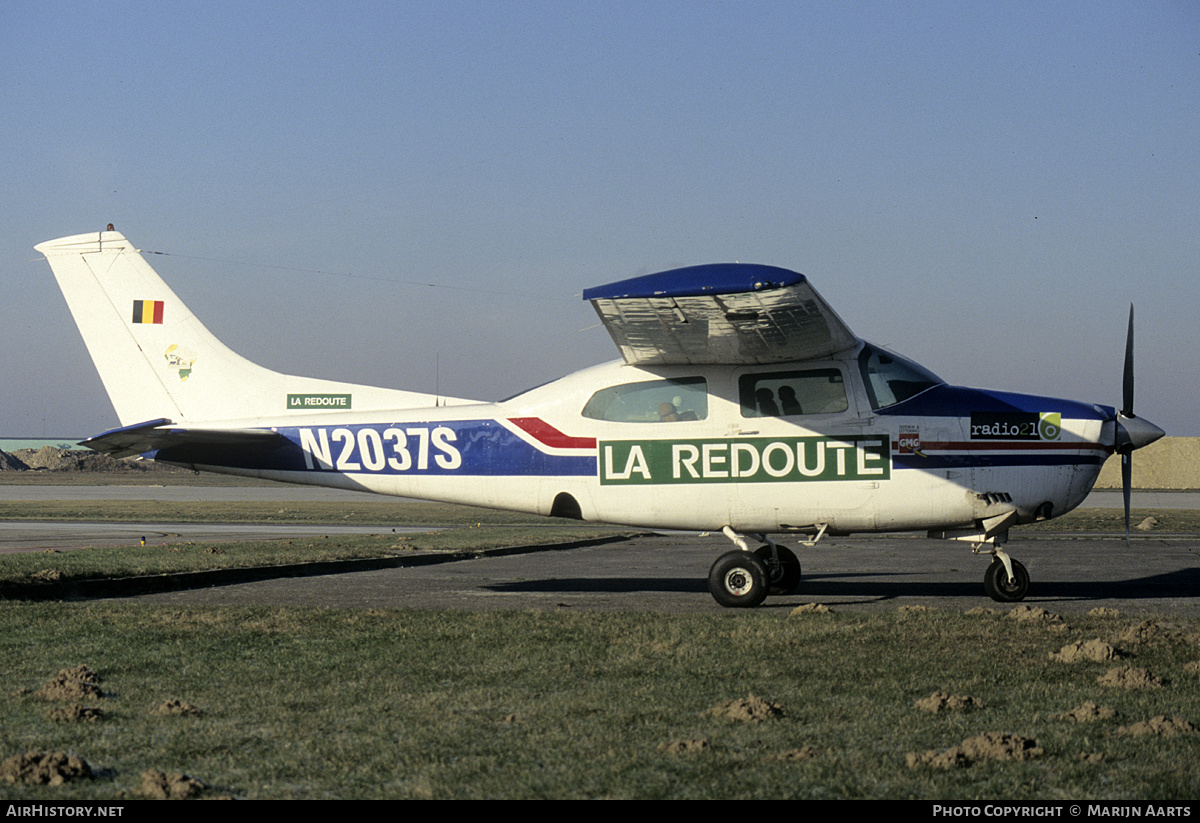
1130	432
1126	482
1127	380
1126	448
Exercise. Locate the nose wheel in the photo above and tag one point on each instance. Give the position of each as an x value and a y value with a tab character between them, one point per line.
1004	585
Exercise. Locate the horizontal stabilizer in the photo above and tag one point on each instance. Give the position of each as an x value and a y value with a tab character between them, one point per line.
155	435
727	313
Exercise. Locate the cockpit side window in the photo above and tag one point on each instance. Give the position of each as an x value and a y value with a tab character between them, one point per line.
787	393
892	379
653	401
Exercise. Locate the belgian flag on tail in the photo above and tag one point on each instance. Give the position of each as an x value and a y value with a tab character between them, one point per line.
147	311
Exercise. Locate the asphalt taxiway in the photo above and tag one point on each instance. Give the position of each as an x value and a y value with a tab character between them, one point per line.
1155	573
667	573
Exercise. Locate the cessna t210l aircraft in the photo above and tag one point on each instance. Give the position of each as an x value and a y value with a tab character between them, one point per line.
742	404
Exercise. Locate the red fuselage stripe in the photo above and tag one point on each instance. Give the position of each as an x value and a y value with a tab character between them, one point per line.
544	433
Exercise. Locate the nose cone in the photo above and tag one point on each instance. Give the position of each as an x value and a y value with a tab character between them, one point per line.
1135	432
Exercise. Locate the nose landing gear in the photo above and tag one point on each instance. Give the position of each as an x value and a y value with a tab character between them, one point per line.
1006	580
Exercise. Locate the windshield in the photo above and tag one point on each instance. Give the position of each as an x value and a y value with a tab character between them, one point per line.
892	379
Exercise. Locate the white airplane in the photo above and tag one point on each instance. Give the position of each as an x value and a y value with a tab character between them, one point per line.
743	404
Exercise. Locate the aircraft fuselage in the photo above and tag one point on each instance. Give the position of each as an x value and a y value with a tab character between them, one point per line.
944	459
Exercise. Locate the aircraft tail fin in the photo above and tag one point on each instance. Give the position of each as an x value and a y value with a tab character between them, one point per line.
157	360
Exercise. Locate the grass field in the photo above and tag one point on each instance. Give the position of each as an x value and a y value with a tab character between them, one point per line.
311	703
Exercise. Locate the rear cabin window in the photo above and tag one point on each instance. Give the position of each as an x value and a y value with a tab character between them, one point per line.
788	393
653	401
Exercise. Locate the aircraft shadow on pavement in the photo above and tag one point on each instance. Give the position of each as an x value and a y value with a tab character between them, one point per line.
1184	583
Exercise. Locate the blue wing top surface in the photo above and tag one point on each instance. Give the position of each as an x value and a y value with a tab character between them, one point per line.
694	281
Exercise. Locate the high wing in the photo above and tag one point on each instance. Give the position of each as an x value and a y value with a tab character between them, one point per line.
725	313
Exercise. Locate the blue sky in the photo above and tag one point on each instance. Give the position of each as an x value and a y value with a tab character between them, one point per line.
415	194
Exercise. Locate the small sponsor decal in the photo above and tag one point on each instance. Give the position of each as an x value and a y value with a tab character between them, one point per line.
318	401
909	441
750	460
148	311
179	359
1016	425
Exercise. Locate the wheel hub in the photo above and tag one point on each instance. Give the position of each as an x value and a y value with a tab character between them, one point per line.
738	582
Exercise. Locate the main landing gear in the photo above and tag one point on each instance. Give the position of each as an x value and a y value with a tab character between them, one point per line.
743	578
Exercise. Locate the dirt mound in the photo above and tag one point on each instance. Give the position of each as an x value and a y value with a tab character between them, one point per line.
1001	746
11	463
1095	651
1033	613
1128	677
176	707
987	746
79	683
810	608
952	758
68	460
49	458
747	710
35	768
1088	712
76	713
159	785
1148	631
690	746
938	701
1158	726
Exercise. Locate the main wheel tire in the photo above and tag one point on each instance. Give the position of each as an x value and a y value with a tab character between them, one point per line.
1000	588
783	575
738	580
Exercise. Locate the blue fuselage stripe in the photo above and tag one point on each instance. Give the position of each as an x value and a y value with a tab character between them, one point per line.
462	448
931	462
